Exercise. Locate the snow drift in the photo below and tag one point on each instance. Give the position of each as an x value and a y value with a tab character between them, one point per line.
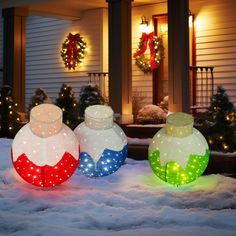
132	201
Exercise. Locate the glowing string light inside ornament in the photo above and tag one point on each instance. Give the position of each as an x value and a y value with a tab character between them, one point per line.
47	157
178	153
103	144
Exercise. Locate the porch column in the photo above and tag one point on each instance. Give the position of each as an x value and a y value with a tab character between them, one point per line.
178	45
14	52
120	78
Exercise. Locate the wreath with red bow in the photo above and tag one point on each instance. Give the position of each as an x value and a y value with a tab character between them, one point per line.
155	45
73	50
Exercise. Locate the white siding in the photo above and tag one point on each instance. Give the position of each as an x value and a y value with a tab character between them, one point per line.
1	49
44	66
216	40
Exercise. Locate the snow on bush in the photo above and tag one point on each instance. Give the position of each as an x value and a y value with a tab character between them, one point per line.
151	114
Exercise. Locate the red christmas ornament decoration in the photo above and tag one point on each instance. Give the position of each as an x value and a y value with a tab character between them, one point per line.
45	176
45	152
73	51
156	52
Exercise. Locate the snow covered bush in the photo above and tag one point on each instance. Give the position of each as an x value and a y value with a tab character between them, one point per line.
151	114
164	104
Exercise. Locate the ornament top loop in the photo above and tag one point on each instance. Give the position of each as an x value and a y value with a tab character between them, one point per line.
179	124
45	120
99	117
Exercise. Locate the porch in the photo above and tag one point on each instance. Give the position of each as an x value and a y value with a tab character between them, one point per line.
44	66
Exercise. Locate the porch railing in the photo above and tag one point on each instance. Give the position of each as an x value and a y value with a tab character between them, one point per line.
101	79
202	86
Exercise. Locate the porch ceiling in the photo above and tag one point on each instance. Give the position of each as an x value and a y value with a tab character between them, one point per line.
69	9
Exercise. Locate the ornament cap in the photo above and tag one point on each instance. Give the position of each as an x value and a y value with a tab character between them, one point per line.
179	124
45	120
99	117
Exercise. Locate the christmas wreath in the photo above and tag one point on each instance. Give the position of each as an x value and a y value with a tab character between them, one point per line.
73	51
156	52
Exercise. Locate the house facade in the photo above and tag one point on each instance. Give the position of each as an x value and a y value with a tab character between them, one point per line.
215	43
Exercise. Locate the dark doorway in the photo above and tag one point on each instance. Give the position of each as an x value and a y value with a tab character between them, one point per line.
160	75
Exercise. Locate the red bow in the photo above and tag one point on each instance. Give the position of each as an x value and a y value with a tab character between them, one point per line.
72	50
147	39
73	37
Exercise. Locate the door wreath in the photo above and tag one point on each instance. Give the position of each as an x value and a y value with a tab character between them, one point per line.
155	45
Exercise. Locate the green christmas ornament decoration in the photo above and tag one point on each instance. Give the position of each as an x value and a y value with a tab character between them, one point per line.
178	153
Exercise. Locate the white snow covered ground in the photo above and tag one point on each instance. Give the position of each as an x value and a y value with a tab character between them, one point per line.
132	201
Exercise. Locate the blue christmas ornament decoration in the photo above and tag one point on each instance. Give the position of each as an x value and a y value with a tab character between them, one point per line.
103	144
109	162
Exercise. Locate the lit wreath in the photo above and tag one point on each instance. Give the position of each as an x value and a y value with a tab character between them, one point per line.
156	52
73	51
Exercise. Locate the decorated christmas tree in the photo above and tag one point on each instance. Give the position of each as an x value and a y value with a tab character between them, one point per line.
220	127
69	105
10	121
89	95
39	97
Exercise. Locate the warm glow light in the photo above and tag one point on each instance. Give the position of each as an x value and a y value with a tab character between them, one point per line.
143	28
204	19
190	21
144	25
164	28
149	28
225	146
